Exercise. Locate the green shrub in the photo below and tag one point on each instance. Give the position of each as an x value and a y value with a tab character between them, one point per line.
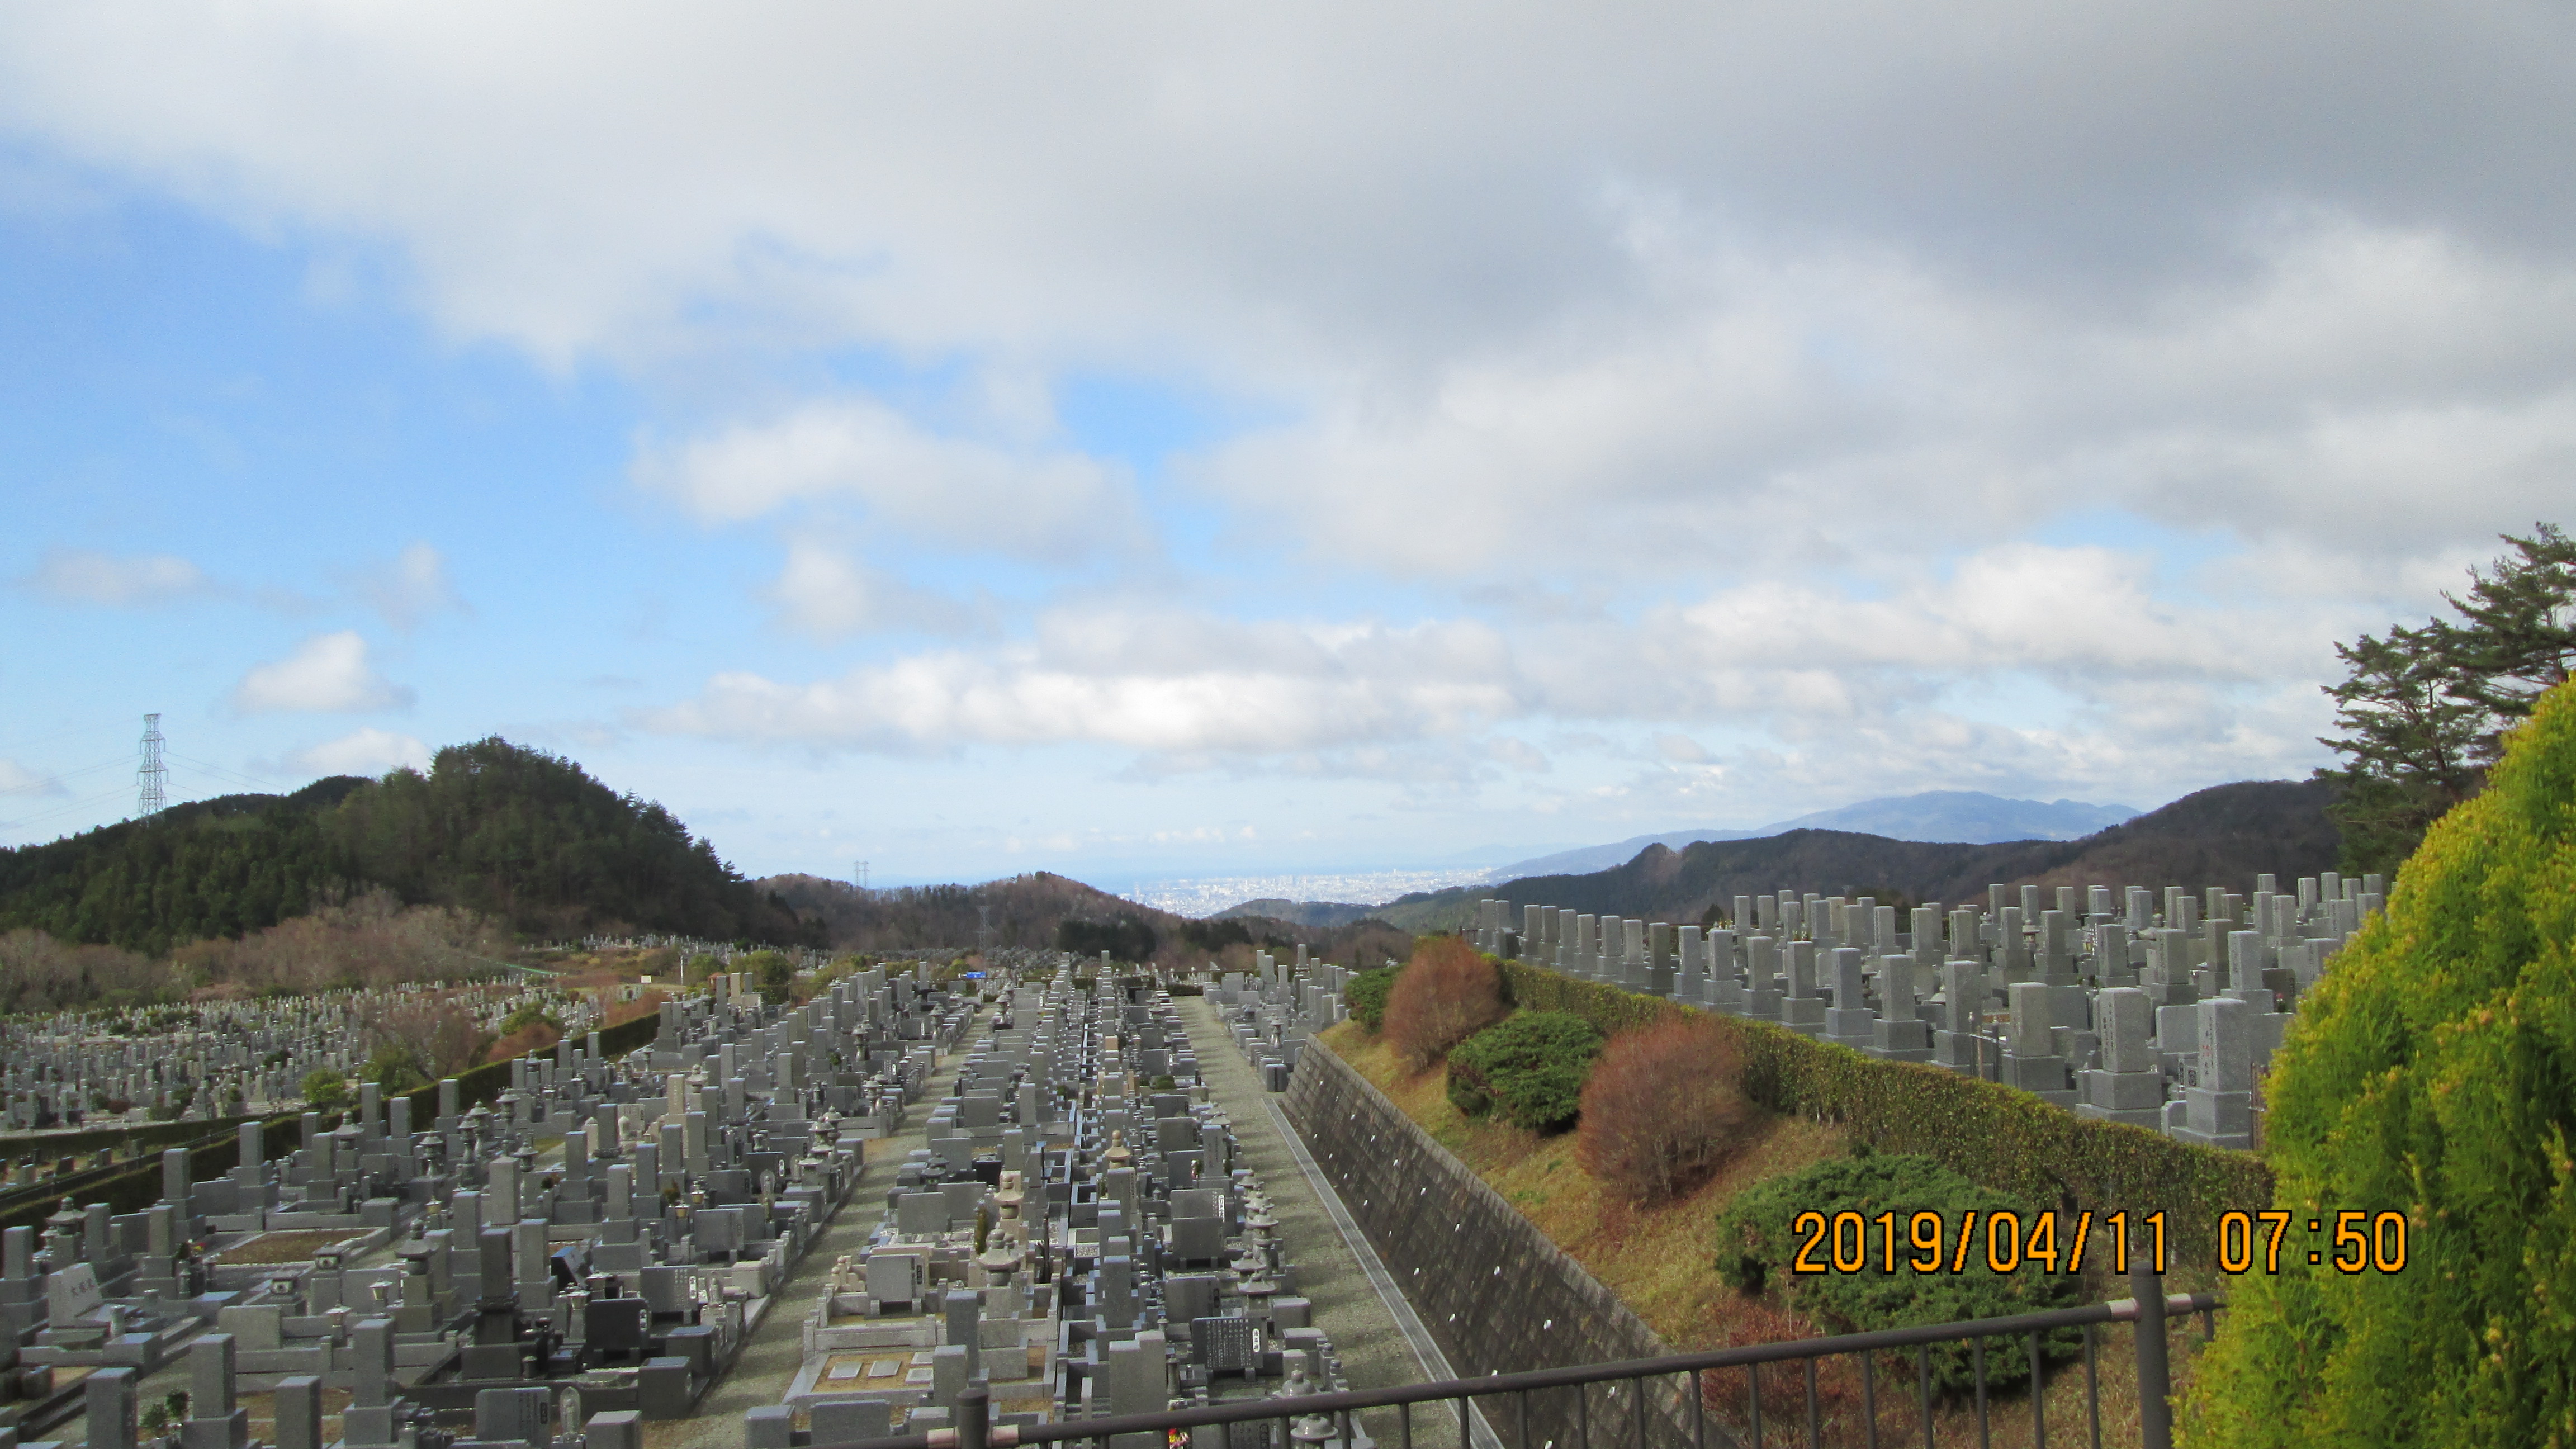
1759	1241
324	1089
770	970
1365	994
1531	1065
2430	1072
396	1068
527	1015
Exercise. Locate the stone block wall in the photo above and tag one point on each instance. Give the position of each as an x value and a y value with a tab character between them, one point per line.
1497	1295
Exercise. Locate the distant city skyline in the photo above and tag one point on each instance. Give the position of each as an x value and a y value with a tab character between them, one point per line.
1151	448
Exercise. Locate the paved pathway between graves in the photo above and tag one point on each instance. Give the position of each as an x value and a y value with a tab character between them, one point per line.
1357	1303
777	1348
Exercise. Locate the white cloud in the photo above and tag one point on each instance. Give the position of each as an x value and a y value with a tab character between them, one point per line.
327	674
18	780
2024	670
84	576
824	593
1157	683
409	589
965	495
1539	286
1760	360
2380	392
365	751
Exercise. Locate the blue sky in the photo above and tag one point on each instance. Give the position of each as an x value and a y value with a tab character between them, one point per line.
1157	442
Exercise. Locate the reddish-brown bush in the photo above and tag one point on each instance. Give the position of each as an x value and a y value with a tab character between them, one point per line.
1445	995
439	1033
536	1036
1664	1107
1783	1386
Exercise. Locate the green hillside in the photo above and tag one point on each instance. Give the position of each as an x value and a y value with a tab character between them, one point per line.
516	834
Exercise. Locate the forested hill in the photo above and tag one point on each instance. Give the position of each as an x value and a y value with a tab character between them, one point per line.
2225	835
1054	912
525	837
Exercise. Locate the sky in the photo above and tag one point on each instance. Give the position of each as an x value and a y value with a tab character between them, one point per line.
1174	439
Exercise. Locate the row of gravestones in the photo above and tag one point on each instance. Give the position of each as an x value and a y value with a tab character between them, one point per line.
222	1057
1070	1237
2131	1007
1278	1007
693	1172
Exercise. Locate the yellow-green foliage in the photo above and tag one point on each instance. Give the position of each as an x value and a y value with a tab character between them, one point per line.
2432	1071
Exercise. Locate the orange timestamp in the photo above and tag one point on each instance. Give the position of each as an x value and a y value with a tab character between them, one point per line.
2003	1242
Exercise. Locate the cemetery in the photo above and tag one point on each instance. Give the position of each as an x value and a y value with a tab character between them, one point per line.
2154	1009
210	1059
1076	1236
1069	1226
606	1232
590	1250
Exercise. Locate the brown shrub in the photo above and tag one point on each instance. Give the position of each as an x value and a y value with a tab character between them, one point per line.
369	939
1663	1109
1445	995
40	974
1783	1386
439	1032
536	1036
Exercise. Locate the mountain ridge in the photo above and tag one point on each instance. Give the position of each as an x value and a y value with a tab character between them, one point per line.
1954	816
2226	834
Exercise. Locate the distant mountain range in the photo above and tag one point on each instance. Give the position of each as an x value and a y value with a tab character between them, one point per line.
1959	816
2225	835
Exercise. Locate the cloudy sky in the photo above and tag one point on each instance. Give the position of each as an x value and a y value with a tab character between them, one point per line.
1174	438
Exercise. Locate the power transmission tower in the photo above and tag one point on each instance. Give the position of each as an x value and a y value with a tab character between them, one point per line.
151	774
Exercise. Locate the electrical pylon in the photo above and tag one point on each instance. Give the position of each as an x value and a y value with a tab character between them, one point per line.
150	776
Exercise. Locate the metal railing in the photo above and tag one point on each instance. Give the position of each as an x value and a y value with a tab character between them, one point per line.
2149	1312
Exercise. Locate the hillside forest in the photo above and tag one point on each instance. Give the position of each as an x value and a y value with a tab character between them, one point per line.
358	880
1052	912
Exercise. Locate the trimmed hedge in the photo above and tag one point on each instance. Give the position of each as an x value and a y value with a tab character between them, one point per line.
1994	1135
1531	1065
1759	1242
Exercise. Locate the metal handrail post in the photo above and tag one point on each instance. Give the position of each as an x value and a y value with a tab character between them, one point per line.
2155	1373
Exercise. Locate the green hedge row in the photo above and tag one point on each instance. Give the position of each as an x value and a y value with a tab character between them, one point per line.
144	1135
1996	1136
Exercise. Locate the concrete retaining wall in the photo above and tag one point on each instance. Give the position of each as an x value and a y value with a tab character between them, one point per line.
1498	1296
